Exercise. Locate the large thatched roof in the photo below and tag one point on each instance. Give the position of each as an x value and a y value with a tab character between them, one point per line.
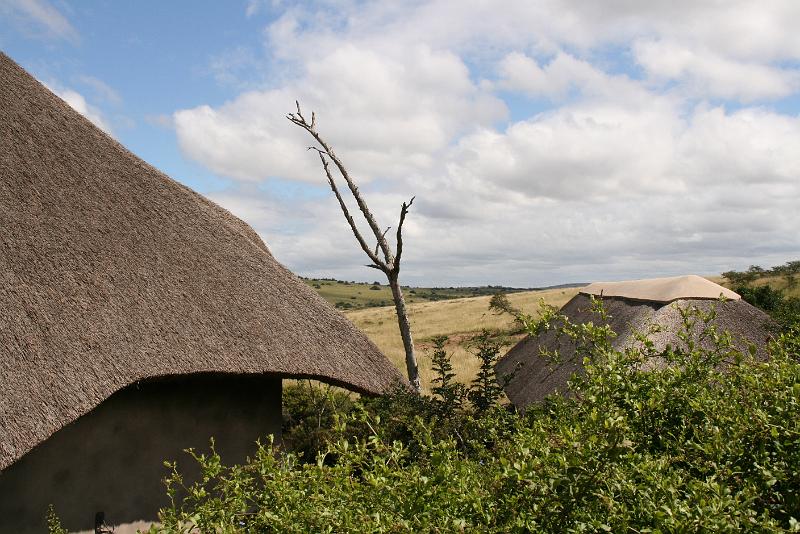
111	273
629	312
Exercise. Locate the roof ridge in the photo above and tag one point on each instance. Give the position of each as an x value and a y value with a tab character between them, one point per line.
665	289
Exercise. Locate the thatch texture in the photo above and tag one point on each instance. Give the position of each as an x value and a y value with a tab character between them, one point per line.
662	289
111	273
538	377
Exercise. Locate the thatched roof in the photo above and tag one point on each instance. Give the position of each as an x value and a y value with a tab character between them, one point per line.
662	289
538	377
112	273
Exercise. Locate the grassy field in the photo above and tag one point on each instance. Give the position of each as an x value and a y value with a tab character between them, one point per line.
454	312
358	295
776	282
460	319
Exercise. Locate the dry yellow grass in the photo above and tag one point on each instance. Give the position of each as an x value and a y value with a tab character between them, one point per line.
776	282
460	319
782	283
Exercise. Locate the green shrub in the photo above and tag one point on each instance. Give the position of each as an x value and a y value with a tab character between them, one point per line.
450	394
485	390
764	297
785	310
54	523
310	416
706	440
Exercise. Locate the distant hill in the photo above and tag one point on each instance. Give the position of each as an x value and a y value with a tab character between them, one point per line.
559	286
359	295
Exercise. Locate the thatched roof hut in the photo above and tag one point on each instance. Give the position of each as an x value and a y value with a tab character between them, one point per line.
632	307
112	273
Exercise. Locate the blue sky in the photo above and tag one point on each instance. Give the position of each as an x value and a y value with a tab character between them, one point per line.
546	142
155	56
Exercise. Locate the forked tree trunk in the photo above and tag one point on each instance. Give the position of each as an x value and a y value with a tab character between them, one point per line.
390	263
405	332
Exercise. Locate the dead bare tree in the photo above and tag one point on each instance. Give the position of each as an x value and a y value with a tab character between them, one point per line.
389	264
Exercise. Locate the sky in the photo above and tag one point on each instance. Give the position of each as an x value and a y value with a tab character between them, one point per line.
545	141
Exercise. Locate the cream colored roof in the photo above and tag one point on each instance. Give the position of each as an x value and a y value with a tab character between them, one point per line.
662	289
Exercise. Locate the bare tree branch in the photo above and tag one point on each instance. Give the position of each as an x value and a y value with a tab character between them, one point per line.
374	257
384	236
299	120
403	212
390	264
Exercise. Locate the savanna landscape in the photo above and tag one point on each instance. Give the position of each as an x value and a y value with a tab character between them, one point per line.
422	267
630	450
452	312
460	316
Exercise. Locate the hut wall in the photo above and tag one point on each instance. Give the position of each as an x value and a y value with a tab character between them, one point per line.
111	459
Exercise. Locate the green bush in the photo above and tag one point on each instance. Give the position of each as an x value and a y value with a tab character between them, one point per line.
754	272
310	416
54	523
785	310
706	440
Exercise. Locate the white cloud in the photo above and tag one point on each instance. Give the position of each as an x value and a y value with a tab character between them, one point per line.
235	67
254	7
563	74
78	102
101	89
579	151
387	114
627	163
43	15
751	146
566	74
707	74
608	151
742	29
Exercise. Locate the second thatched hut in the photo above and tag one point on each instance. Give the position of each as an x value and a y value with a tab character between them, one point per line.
632	306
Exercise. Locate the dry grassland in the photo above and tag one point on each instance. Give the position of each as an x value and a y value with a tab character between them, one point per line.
776	282
779	282
459	319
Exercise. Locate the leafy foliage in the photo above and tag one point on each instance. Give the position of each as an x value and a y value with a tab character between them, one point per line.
468	414
789	272
310	414
54	523
789	269
785	310
485	391
704	440
451	394
765	297
500	304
